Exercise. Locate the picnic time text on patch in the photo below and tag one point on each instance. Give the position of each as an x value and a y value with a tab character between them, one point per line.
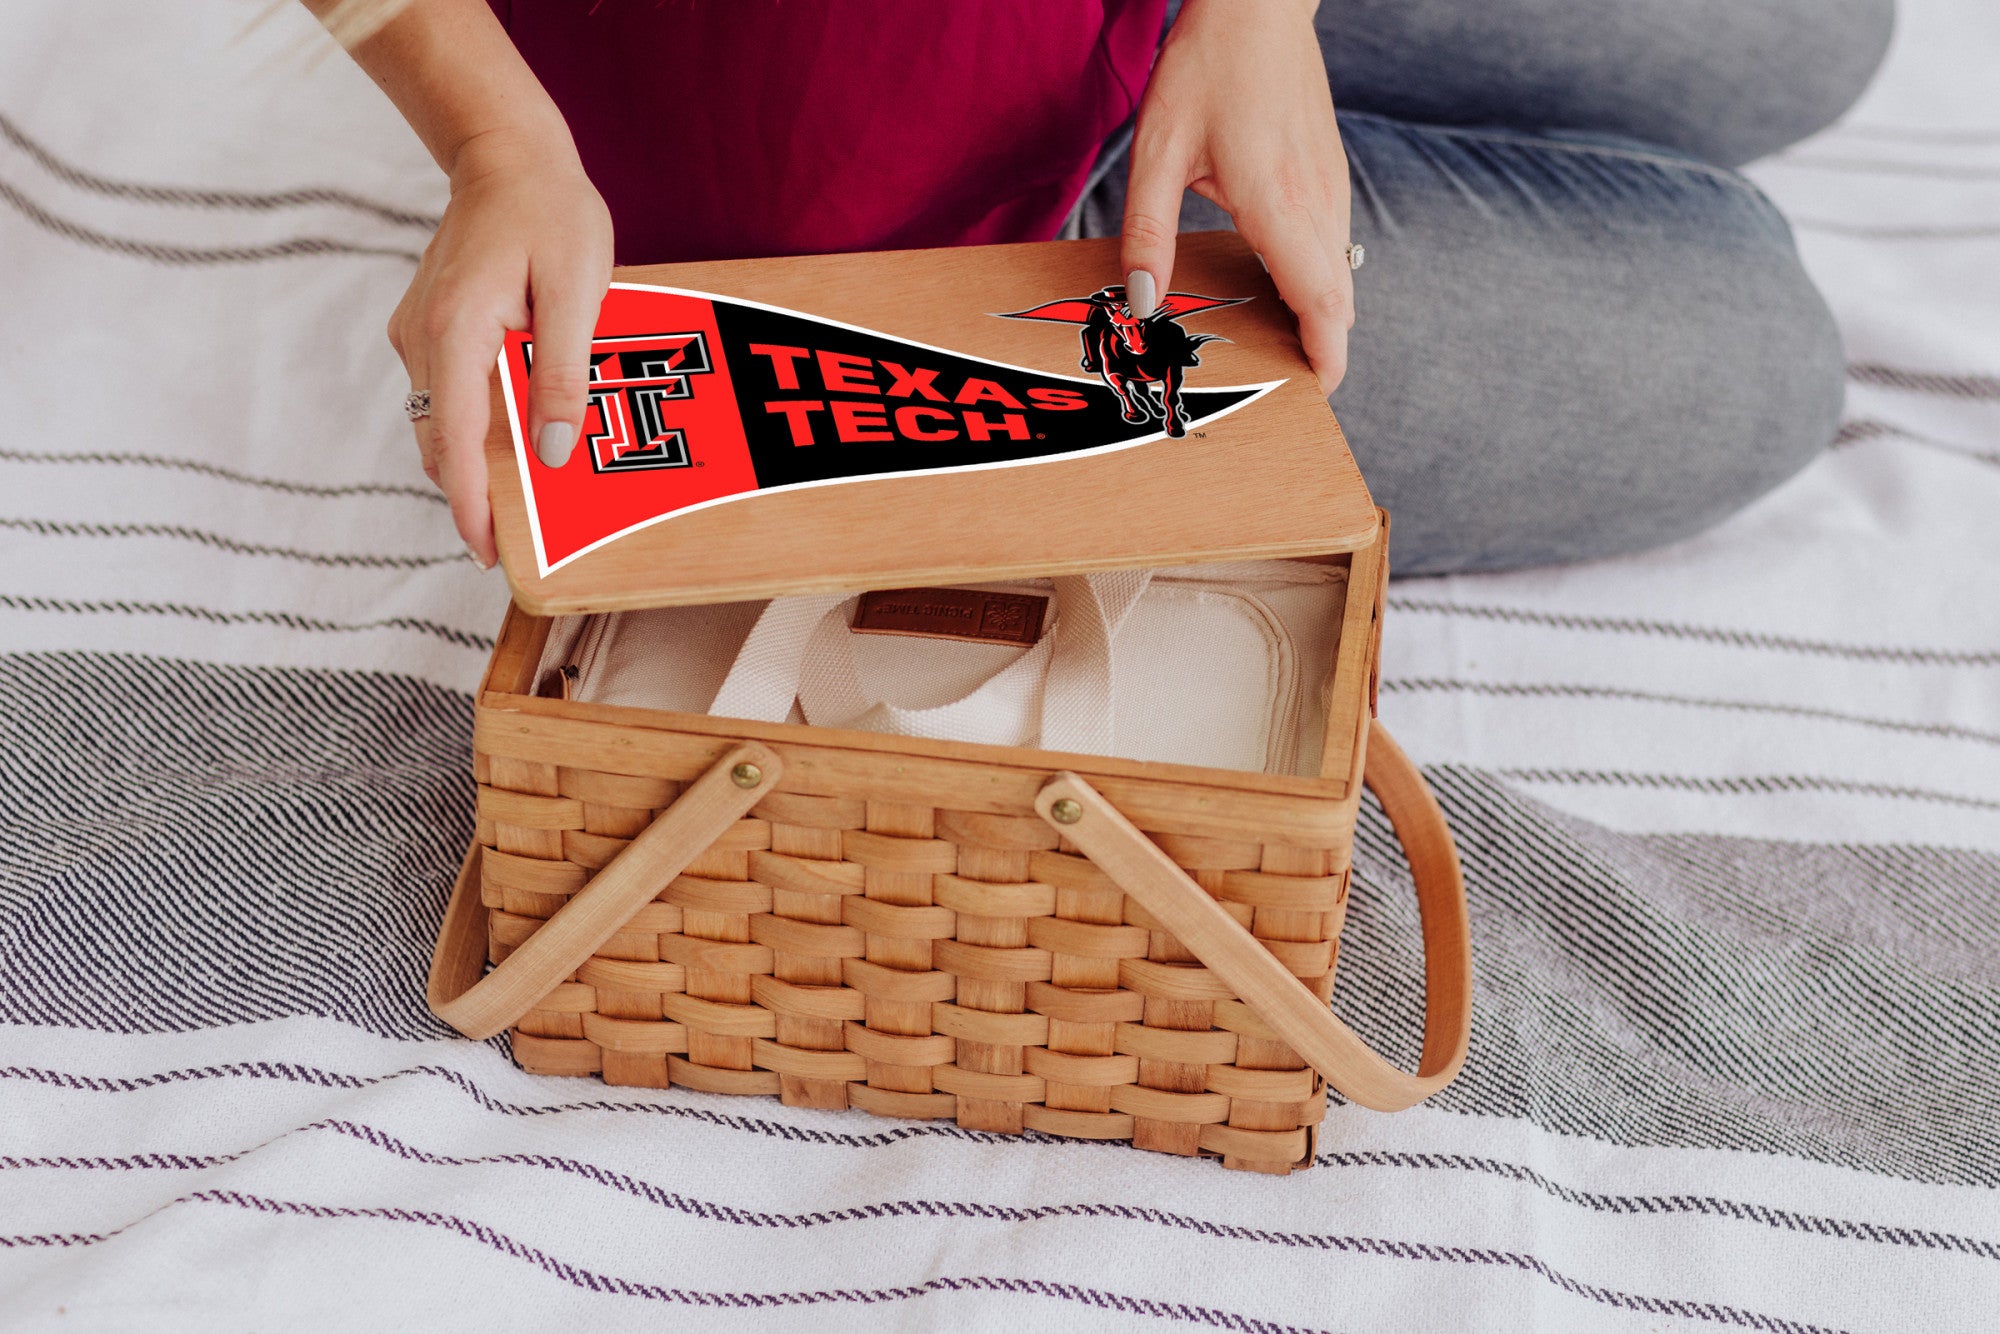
953	613
697	399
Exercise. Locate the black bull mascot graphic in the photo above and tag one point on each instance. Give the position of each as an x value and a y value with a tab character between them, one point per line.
1142	360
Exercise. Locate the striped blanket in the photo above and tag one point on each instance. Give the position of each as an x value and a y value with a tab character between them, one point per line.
1730	815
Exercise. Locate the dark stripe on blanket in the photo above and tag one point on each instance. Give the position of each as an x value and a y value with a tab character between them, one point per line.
221	542
1831	1002
294	488
188	197
1750	785
1652	1206
603	1284
1920	134
1707	634
1906	232
631	1101
294	248
189	845
1855	431
1924	382
1884	167
1159	1308
185	846
284	620
1538	690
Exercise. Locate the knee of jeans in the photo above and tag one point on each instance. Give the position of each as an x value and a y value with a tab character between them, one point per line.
1820	64
1758	411
1634	392
1726	81
1767	395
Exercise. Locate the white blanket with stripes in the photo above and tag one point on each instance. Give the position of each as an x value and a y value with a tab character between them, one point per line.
1730	814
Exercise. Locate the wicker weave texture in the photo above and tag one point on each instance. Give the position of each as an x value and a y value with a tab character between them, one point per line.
914	961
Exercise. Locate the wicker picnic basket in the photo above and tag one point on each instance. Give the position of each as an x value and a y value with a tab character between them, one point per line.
1012	938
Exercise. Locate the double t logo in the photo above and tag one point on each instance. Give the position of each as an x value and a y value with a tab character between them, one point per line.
630	379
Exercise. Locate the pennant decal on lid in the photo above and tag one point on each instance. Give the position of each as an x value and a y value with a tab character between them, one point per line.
697	400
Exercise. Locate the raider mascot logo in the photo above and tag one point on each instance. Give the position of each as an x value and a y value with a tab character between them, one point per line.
699	400
1143	361
630	381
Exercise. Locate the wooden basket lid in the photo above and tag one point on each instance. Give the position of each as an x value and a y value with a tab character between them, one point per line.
713	466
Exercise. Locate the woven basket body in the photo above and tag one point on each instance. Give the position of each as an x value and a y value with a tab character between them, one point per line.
893	927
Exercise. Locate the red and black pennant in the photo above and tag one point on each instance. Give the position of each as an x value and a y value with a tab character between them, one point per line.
698	399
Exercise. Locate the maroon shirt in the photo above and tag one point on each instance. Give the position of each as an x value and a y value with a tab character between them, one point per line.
735	128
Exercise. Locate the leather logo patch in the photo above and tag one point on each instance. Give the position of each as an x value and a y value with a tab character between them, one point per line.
953	613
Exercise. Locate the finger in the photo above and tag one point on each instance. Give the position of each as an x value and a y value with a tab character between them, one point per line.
1340	255
1152	219
1335	243
427	450
565	316
416	360
410	353
1337	228
460	367
1319	292
399	320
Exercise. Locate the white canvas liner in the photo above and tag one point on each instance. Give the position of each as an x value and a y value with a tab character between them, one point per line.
1221	665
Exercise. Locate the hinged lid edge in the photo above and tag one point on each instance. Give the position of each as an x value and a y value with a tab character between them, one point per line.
1274	479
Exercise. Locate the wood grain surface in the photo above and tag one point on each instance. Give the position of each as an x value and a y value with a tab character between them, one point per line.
1272	479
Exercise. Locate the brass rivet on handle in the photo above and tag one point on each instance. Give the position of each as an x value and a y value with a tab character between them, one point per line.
1066	811
747	775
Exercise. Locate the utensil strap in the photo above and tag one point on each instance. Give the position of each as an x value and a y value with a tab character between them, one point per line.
1076	704
1137	865
480	1006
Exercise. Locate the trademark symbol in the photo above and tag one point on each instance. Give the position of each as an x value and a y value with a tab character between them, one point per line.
701	463
1199	435
1040	435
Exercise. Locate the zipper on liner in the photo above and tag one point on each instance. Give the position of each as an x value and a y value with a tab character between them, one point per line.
590	655
576	674
556	651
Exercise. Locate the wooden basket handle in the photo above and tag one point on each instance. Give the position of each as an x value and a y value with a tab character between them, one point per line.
480	1006
1297	1016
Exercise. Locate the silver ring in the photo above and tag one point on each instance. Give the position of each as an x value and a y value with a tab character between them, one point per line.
1356	256
417	404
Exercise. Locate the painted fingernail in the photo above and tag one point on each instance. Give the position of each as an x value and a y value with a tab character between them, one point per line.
476	558
554	444
1140	293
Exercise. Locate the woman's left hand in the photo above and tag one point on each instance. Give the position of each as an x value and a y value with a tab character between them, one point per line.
1238	109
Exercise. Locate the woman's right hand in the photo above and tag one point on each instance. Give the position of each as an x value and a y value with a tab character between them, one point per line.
525	243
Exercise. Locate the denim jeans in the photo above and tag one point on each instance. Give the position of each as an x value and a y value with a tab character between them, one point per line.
1579	332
